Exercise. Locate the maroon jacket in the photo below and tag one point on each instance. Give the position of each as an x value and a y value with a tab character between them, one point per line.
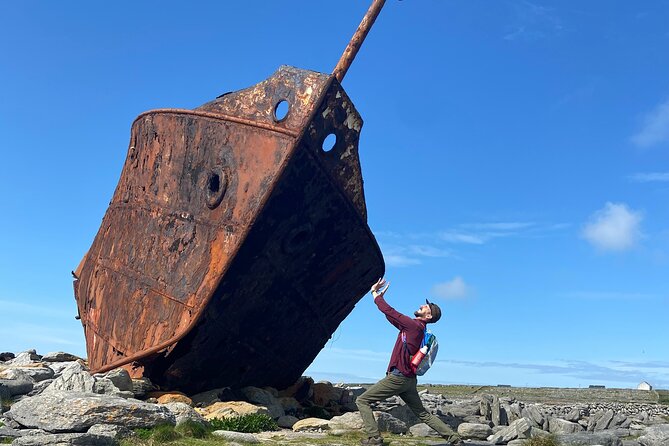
414	329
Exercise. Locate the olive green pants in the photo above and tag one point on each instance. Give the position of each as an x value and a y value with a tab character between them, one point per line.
405	388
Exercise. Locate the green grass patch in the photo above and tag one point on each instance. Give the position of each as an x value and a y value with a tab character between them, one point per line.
192	429
6	441
663	397
250	423
542	441
6	404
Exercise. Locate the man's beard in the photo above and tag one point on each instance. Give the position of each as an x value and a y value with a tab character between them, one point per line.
416	313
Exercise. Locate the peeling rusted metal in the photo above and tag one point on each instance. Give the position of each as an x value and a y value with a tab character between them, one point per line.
234	245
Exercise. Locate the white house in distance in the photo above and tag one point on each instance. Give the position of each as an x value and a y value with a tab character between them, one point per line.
644	386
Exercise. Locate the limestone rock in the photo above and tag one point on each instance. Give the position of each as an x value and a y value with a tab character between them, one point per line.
477	431
560	426
521	428
604	421
73	378
325	394
287	421
209	397
58	367
534	414
8	433
348	421
405	414
11	387
290	405
423	430
388	423
37	373
311	424
463	409
261	396
121	379
302	390
589	438
24	358
142	386
236	436
65	440
229	409
60	357
657	435
170	397
183	412
60	411
39	387
110	430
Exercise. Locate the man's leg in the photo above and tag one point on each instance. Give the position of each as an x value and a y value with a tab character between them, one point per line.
412	399
387	387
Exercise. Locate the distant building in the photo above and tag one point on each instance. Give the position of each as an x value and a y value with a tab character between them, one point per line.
503	385
596	386
644	386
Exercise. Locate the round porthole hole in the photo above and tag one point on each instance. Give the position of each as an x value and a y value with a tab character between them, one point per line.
281	110
329	142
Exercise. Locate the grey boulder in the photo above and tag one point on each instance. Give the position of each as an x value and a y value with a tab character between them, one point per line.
478	431
589	438
236	436
11	387
59	411
560	426
183	412
657	435
64	440
60	357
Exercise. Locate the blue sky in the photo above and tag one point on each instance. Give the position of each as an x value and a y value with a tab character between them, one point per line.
515	157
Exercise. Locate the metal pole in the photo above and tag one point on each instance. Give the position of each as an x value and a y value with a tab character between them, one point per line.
356	41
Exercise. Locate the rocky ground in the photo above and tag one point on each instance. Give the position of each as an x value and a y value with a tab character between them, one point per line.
54	400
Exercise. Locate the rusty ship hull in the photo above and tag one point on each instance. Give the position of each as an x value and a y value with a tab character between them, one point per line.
235	242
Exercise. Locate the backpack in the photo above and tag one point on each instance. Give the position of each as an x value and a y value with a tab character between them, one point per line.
426	354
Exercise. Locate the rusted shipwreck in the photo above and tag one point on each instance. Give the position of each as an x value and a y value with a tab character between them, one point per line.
235	243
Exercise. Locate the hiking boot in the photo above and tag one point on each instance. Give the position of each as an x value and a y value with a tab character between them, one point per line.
372	441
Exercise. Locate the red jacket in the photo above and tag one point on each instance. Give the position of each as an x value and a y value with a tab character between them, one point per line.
414	329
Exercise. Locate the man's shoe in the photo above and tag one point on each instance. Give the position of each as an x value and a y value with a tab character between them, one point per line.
372	441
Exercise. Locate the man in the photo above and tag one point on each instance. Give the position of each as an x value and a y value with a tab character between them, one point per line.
400	380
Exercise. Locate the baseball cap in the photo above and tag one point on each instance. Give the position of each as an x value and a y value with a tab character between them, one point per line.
436	311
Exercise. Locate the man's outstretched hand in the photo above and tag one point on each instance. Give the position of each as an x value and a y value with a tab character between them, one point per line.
380	287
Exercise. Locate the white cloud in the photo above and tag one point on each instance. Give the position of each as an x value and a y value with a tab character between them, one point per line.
399	260
460	237
400	256
655	128
454	289
613	228
649	177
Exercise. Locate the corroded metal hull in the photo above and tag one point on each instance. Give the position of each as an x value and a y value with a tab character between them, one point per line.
234	244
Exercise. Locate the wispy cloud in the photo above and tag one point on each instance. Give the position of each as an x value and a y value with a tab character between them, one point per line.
413	248
655	127
649	177
453	289
613	228
593	373
408	255
533	22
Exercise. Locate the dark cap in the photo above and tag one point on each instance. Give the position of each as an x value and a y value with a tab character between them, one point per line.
436	311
